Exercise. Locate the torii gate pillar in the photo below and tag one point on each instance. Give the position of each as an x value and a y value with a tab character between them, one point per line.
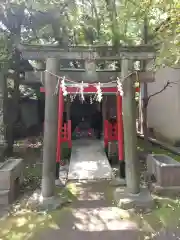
50	129
129	125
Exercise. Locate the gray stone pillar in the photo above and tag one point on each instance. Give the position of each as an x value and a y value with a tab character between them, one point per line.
130	138
50	129
140	117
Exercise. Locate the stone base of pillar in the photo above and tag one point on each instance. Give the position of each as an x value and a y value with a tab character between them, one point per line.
39	204
141	201
59	183
118	182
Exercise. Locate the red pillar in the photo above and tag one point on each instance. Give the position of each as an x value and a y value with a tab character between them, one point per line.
60	123
120	128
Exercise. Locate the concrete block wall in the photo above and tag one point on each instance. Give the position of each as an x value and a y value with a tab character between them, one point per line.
164	108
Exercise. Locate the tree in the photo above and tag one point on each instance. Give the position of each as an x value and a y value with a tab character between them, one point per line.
166	33
12	17
169	35
19	23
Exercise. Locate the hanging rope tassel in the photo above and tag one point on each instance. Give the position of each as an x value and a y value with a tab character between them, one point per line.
120	87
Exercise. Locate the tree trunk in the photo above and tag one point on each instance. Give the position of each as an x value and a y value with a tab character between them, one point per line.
98	22
112	14
50	129
130	138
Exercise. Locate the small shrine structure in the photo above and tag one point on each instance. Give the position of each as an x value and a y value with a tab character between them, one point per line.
89	78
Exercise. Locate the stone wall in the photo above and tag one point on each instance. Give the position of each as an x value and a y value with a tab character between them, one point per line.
164	108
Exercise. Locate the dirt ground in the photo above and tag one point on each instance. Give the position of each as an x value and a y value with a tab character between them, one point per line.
91	208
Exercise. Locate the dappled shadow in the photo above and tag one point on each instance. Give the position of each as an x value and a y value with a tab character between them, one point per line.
91	209
91	214
23	223
166	216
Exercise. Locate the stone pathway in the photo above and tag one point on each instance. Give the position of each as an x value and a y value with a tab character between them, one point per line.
89	161
92	215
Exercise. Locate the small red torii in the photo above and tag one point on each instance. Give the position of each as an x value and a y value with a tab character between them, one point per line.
67	128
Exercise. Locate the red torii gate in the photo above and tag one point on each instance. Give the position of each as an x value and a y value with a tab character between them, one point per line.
66	129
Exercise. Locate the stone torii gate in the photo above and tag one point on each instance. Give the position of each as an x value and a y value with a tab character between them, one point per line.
90	54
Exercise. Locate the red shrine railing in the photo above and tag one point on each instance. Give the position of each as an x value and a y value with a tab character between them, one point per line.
64	131
114	131
110	132
64	135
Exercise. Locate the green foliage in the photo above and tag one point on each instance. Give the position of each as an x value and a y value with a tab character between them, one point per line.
169	36
5	52
105	22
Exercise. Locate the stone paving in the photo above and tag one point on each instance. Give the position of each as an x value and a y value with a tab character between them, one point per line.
89	161
93	216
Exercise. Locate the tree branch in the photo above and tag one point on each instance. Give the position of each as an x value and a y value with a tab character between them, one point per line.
168	84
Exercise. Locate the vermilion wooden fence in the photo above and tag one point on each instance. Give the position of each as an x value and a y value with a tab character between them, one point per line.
110	132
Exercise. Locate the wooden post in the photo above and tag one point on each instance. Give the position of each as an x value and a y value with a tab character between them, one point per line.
50	130
120	136
130	139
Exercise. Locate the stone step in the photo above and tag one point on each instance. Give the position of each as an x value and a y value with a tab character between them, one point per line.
127	232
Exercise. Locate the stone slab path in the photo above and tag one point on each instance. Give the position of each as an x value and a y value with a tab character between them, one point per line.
92	215
88	161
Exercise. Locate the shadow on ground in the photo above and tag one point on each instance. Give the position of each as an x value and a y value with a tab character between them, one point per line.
92	211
